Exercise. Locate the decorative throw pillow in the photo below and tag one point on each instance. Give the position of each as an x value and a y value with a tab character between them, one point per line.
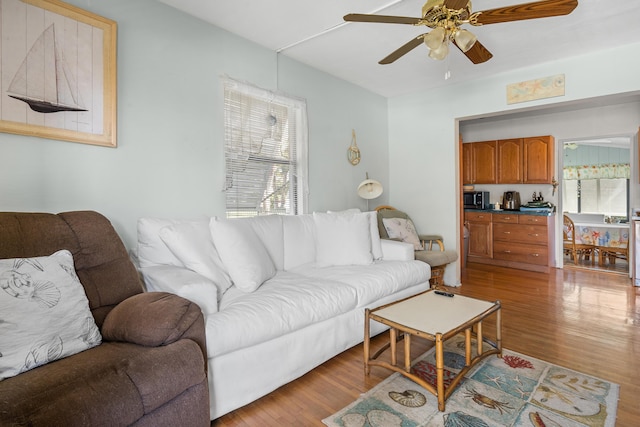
403	229
45	313
343	239
242	253
192	244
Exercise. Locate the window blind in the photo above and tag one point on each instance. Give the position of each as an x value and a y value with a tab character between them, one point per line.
265	152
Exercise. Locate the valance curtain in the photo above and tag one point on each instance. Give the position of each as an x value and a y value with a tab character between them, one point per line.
604	171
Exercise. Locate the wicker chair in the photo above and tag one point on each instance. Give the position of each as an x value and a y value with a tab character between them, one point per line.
569	246
437	258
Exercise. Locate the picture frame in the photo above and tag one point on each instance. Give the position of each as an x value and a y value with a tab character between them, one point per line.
58	74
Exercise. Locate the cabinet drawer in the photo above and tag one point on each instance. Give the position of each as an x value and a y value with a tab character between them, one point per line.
520	252
534	234
477	216
505	218
532	219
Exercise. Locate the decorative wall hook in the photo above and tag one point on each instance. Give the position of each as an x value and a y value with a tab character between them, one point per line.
353	153
554	184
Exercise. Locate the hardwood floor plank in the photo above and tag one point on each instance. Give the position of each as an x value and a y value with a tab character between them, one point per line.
584	320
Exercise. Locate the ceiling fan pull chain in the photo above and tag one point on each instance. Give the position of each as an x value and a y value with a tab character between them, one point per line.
447	74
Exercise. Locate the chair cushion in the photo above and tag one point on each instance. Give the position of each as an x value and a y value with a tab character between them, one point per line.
437	258
114	383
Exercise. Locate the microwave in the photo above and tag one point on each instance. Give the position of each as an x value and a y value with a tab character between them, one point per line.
476	199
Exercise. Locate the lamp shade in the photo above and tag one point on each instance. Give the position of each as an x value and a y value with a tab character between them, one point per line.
369	189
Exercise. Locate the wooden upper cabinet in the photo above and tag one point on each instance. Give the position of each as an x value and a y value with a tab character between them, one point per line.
484	162
467	164
510	161
538	159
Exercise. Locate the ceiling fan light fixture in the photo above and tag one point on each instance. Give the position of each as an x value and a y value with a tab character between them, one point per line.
440	53
464	39
435	38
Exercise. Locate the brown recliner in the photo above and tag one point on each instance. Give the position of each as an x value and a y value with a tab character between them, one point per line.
150	369
437	259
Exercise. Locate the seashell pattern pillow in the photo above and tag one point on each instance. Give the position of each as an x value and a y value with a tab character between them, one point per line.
44	313
403	229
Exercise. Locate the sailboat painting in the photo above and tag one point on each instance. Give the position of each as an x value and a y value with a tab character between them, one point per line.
44	80
57	73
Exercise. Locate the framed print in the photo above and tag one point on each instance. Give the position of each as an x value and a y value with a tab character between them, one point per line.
57	72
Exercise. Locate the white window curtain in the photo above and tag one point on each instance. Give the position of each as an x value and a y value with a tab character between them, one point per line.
266	151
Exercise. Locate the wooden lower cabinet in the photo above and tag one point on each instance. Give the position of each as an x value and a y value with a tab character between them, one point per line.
517	240
480	234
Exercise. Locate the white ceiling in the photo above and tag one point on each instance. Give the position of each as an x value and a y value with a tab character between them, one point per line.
314	33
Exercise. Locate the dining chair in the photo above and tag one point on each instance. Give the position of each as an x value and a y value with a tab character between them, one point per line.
575	250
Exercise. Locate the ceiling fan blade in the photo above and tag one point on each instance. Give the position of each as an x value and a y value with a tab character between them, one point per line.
477	54
519	12
402	50
384	19
456	4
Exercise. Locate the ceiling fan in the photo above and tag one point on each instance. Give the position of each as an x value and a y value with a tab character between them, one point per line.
445	17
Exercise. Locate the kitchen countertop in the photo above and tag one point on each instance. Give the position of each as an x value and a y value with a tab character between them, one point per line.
518	212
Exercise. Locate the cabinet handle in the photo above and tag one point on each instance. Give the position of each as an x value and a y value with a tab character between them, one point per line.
507	252
534	234
506	232
535	255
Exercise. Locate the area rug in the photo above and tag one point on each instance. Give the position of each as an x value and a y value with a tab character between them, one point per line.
515	390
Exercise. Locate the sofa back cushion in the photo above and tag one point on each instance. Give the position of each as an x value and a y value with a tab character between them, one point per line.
101	260
299	240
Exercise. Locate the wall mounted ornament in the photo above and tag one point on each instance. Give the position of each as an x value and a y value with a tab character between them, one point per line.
353	152
58	72
546	87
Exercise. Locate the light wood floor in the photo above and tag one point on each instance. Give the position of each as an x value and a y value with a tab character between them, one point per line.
584	320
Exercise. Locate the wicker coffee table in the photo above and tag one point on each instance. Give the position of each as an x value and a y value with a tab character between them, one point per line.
435	317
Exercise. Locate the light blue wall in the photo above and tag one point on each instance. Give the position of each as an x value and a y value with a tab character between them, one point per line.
423	130
169	157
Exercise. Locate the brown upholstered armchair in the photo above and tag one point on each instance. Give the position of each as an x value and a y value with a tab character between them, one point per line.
437	257
149	370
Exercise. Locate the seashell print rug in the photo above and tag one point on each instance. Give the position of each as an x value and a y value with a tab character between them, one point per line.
515	390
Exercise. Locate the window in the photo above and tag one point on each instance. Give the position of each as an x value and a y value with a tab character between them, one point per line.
265	152
602	195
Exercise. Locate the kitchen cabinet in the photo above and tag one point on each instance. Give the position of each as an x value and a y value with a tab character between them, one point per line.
515	240
479	162
527	160
538	159
480	234
509	152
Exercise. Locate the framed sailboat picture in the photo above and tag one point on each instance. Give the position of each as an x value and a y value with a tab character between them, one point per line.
58	72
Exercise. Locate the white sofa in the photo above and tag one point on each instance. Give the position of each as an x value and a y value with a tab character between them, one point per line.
280	294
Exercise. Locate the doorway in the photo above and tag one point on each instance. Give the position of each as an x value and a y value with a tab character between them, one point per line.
595	201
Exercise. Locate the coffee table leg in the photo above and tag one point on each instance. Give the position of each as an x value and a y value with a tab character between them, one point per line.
393	339
407	352
467	346
440	371
366	342
499	331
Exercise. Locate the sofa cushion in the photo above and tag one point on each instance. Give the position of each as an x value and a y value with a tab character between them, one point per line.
45	312
151	249
283	304
114	383
299	240
372	282
342	239
191	243
268	228
242	253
